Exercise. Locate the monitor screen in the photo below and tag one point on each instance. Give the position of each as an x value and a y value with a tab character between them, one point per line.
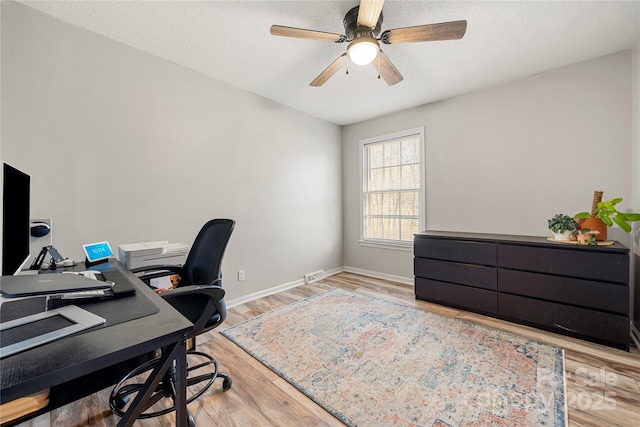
15	220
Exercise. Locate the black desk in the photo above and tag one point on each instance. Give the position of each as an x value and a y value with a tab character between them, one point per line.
79	365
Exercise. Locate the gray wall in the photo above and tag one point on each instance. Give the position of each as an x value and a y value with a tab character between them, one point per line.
125	147
505	159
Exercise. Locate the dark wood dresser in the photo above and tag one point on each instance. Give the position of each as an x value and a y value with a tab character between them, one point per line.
575	290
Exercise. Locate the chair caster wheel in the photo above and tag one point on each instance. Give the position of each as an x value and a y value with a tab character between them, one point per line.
226	384
120	403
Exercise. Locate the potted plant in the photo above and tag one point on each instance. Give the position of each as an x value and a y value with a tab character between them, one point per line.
585	236
562	226
604	214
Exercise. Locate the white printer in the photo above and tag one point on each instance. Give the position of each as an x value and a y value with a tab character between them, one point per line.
134	255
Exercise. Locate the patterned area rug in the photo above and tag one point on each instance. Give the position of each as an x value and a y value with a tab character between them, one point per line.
372	362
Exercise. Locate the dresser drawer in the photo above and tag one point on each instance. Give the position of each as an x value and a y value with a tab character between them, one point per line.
585	293
464	297
565	319
478	276
456	250
585	263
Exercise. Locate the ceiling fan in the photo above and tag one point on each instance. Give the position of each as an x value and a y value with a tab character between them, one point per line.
362	25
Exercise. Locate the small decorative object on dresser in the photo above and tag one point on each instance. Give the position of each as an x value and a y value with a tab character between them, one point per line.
562	226
586	236
603	215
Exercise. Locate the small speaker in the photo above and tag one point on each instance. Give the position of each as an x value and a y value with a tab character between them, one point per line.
39	229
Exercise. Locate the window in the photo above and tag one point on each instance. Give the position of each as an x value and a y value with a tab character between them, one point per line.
392	190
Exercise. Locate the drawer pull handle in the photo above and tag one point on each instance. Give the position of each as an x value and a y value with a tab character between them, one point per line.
563	327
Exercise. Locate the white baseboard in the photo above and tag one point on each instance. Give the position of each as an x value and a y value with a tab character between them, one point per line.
241	300
276	289
377	275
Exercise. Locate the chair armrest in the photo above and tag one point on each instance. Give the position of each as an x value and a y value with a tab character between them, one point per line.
214	292
154	271
172	268
202	305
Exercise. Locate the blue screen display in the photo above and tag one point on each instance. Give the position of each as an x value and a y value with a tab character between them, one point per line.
97	251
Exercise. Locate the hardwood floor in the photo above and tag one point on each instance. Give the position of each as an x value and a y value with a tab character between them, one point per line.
603	384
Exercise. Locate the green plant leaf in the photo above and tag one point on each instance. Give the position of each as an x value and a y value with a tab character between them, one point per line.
622	223
605	208
615	201
606	219
631	217
582	215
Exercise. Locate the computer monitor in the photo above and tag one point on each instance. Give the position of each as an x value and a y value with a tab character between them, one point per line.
15	220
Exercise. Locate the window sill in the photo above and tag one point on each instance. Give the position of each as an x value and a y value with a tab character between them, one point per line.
407	247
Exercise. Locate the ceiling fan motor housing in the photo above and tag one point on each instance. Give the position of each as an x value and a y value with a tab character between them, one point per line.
353	31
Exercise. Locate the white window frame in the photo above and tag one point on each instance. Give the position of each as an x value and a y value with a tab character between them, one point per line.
382	243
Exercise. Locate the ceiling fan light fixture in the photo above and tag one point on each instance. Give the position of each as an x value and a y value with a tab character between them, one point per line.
363	50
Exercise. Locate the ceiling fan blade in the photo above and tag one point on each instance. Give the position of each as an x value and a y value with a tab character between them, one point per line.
279	30
387	70
423	33
329	71
369	12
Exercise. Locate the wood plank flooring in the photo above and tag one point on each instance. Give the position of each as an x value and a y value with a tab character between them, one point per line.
603	384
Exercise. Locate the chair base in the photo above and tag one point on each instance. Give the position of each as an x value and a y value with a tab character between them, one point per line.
128	387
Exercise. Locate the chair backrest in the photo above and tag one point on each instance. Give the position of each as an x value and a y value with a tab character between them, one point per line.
204	262
202	304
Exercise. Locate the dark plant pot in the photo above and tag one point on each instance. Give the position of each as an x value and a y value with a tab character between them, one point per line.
595	224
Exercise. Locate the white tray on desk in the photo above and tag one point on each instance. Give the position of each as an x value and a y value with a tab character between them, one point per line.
75	318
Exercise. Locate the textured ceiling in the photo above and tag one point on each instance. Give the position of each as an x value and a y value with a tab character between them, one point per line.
230	41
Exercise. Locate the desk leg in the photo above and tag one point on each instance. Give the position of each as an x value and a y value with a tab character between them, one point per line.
177	352
181	385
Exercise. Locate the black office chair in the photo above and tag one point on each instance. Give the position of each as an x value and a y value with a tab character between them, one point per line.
199	297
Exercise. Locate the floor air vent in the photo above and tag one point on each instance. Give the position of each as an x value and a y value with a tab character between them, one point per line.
313	277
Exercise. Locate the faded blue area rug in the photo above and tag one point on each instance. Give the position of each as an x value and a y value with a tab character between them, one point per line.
372	362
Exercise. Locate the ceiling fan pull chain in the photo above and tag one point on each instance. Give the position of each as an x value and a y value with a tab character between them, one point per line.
378	59
347	65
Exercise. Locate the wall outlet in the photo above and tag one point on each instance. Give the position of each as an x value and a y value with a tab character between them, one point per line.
240	275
